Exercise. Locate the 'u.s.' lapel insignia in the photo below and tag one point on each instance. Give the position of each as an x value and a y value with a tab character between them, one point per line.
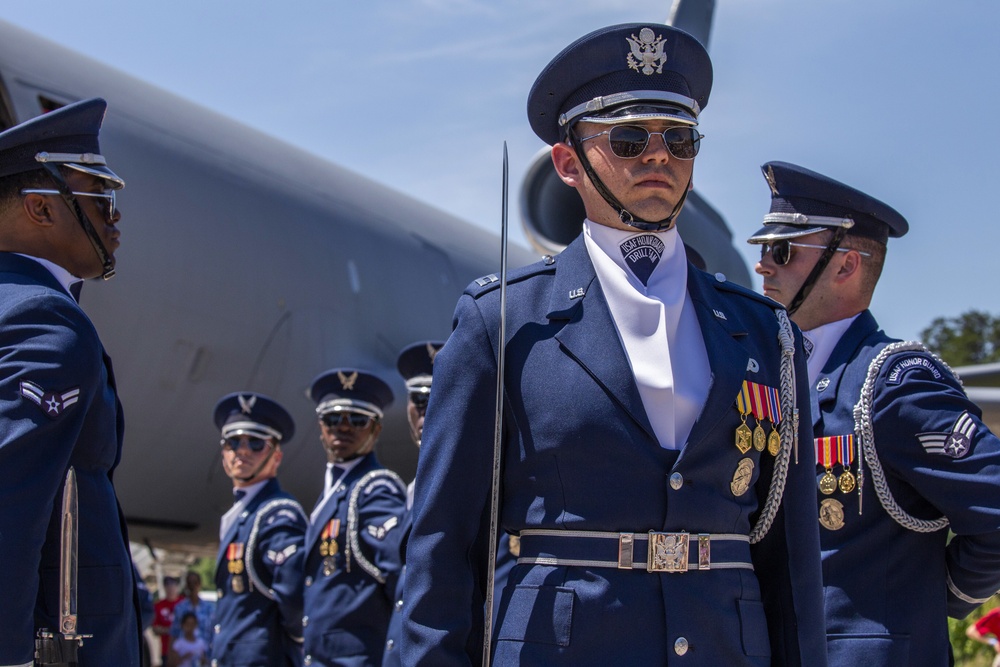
52	403
955	444
577	293
647	52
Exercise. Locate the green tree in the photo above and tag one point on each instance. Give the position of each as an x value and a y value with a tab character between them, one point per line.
970	338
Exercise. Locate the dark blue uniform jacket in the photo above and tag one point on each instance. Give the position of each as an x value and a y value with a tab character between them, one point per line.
348	611
258	622
580	454
58	408
889	589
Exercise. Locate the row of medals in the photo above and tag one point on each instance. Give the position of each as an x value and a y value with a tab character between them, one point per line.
328	550
831	510
236	569
757	439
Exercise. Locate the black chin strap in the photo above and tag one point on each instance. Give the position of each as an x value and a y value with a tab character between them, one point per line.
260	467
108	269
623	214
813	276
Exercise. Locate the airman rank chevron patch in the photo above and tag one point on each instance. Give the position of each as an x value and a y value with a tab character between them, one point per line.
955	444
53	404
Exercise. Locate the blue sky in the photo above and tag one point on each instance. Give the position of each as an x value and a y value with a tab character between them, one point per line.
895	97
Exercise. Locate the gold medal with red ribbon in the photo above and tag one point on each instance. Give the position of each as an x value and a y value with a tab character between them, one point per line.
234	554
847	481
328	538
828	455
762	402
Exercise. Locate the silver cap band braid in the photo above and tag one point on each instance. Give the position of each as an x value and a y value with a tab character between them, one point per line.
250	428
349	405
607	101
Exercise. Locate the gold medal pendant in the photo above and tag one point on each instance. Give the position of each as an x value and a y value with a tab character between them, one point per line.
329	566
759	438
774	443
324	548
847	482
827	483
236	583
743	437
831	514
742	476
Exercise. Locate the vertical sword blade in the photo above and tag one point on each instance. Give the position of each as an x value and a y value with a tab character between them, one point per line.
498	429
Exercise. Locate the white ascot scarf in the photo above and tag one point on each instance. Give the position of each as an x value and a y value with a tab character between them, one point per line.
658	328
824	338
229	518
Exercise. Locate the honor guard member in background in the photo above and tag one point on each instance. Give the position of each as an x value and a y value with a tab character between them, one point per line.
902	454
258	617
352	551
416	365
648	419
58	402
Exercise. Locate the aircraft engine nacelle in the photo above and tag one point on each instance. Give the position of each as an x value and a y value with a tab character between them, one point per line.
552	215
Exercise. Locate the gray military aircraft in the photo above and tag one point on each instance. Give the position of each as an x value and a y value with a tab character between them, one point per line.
250	264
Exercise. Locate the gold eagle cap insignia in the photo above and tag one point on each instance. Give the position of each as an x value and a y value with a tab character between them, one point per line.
347	381
246	403
647	54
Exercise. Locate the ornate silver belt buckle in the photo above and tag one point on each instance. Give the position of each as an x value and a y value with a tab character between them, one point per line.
668	552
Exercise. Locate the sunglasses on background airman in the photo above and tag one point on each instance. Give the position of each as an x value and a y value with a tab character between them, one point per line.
108	197
629	141
781	250
354	419
255	444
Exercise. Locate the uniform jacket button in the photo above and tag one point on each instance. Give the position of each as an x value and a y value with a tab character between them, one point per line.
309	581
305	621
681	646
399	605
389	644
676	481
218	629
308	660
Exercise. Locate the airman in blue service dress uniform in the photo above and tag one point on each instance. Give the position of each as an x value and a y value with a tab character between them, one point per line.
258	617
649	415
351	558
902	453
59	405
416	364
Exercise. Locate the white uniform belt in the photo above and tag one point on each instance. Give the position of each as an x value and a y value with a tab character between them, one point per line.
663	552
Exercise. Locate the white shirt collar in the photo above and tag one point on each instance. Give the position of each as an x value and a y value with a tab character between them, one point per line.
64	277
824	339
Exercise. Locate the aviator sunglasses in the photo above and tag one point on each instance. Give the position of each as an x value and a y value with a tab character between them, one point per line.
108	197
781	250
629	141
355	419
255	444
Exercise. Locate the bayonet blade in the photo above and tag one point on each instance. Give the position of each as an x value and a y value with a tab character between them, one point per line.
68	560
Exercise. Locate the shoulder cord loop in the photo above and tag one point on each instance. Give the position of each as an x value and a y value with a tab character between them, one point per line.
864	430
353	544
255	580
789	429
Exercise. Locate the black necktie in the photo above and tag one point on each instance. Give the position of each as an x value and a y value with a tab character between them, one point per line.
238	495
75	290
642	253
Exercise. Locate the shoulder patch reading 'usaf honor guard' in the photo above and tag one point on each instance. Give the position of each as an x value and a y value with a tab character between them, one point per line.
53	404
956	443
904	366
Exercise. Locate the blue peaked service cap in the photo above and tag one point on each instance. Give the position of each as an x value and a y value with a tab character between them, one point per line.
67	136
350	389
416	364
253	414
804	202
622	72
